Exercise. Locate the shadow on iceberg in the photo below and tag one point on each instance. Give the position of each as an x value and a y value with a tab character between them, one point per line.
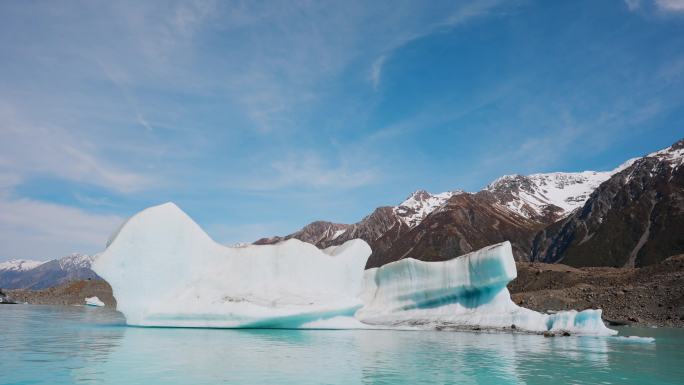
166	271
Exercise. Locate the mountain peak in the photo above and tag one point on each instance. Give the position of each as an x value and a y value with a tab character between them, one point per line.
419	195
76	260
674	155
420	204
530	196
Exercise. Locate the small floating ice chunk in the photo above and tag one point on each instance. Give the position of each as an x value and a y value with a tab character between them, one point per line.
636	339
94	301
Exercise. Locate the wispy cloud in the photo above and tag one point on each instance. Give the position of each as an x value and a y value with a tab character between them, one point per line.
633	5
376	71
460	14
242	103
27	148
667	6
671	5
310	170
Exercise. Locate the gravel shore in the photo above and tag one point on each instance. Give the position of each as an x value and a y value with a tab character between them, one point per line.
648	296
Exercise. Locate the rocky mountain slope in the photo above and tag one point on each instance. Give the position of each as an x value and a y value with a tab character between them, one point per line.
380	222
630	216
547	197
636	218
23	274
380	229
651	295
438	226
69	293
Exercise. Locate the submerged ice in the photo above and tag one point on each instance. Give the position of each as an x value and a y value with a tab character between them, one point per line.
166	271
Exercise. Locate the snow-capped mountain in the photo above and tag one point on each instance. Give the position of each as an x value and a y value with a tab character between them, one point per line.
531	196
401	218
537	200
19	265
20	274
76	261
513	207
420	204
636	218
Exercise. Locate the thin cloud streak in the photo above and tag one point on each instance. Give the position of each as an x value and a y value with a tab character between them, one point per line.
309	170
671	5
27	148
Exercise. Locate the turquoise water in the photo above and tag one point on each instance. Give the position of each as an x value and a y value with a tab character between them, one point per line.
79	345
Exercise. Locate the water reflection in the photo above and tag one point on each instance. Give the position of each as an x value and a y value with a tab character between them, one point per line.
199	356
91	346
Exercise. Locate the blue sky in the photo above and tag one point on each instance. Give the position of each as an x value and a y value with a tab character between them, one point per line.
259	117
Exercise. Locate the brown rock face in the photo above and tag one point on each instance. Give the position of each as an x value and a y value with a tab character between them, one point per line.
323	234
636	218
70	293
466	223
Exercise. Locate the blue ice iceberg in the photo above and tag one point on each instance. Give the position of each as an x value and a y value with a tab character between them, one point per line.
464	292
166	271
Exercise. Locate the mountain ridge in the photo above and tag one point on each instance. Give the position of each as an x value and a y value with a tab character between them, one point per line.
634	219
17	274
512	207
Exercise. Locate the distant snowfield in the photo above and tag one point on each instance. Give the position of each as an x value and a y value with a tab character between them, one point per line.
524	195
19	265
165	271
20	273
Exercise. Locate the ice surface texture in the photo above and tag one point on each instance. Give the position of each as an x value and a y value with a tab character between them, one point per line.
165	271
468	291
94	301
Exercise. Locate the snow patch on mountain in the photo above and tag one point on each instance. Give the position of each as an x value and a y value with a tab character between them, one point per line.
537	191
673	155
420	204
19	265
530	196
27	274
76	261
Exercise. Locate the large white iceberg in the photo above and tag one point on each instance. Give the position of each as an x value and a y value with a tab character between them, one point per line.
166	271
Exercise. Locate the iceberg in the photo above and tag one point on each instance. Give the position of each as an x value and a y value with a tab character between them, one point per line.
94	301
462	293
166	271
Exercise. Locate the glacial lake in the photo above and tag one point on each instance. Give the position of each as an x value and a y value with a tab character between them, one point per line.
81	345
